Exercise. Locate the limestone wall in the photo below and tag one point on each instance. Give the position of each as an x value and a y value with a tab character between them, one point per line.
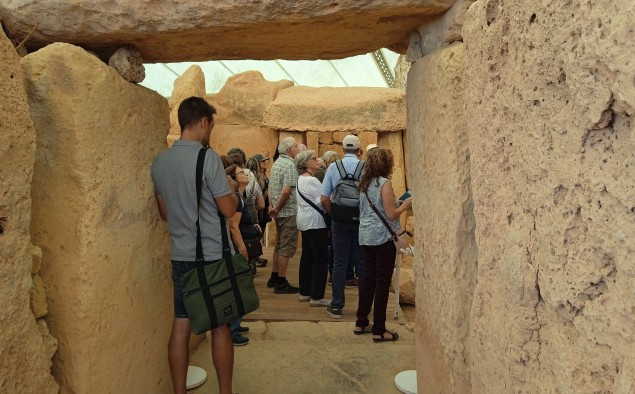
241	105
352	109
552	149
445	260
25	344
547	108
105	264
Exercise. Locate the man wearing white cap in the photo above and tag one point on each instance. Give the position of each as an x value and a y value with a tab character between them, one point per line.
345	228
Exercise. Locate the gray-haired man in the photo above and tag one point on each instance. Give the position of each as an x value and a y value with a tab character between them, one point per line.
283	209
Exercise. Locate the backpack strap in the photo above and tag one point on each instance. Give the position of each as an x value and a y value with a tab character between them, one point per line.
358	170
340	168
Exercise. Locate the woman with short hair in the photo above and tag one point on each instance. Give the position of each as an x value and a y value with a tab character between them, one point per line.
377	242
314	232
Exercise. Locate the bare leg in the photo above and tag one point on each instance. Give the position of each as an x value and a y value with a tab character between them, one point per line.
179	354
283	263
223	356
275	265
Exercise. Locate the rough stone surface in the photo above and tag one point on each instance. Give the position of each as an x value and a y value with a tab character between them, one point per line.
393	142
36	256
325	137
445	261
105	250
313	141
129	64
39	307
25	365
199	30
401	72
445	29
414	47
304	108
407	285
251	139
190	83
244	98
552	142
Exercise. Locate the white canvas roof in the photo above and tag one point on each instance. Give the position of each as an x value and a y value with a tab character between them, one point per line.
361	70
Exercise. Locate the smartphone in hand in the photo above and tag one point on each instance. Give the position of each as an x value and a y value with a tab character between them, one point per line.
405	195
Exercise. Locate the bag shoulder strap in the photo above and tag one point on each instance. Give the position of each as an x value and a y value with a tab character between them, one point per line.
199	186
310	203
340	168
209	302
358	170
390	230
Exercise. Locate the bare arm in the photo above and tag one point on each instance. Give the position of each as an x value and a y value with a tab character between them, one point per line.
234	221
326	203
161	205
388	199
284	196
227	204
260	202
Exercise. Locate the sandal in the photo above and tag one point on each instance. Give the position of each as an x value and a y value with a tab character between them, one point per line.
363	330
381	338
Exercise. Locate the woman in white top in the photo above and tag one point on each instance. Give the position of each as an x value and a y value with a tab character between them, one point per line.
313	262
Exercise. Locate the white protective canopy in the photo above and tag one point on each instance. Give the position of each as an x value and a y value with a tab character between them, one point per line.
361	70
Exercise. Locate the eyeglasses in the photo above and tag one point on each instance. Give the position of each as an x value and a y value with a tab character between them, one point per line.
312	158
242	171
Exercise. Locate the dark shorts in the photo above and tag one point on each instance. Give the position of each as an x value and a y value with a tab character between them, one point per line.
179	268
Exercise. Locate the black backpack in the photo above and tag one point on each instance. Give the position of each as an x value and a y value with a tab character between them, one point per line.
345	203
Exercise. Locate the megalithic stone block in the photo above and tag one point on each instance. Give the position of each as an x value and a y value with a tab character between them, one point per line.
105	260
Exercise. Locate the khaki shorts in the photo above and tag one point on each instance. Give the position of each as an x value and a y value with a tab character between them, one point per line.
286	236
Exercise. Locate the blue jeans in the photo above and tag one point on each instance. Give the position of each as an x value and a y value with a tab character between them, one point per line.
345	242
233	326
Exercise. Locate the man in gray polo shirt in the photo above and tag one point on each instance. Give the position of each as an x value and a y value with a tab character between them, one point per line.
174	176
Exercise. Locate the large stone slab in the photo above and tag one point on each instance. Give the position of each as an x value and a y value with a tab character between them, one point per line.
245	97
197	30
445	251
105	261
190	83
25	365
304	108
442	30
552	143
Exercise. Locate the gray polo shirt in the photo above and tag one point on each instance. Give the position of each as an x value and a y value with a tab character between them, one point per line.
174	177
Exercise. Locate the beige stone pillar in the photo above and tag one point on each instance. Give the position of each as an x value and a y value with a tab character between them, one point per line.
25	364
105	261
445	260
190	83
552	140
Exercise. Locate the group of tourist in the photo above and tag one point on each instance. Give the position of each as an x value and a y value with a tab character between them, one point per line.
301	194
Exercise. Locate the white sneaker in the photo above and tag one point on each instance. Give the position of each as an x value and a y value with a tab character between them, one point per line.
304	298
322	302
